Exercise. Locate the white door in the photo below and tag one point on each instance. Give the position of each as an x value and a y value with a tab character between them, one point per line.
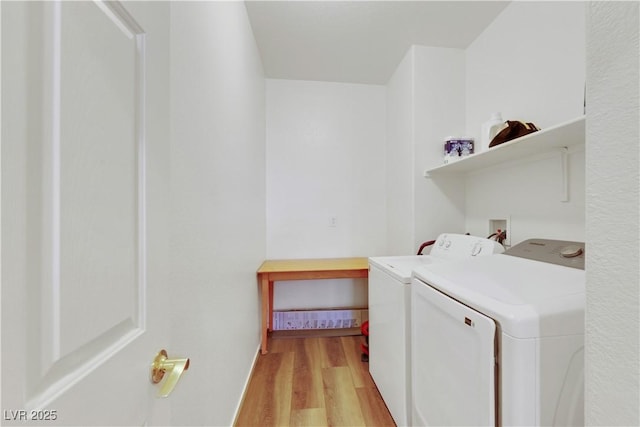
453	361
84	183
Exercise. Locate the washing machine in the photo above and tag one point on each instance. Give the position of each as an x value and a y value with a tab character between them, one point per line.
389	314
499	341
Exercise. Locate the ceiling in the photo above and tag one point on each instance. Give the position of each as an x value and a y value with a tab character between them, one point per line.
359	41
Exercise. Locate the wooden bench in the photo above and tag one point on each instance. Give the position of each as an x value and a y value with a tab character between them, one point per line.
302	269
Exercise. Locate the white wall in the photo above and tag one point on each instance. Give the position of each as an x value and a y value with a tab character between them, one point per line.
438	112
528	64
325	159
218	202
425	104
399	182
612	377
528	194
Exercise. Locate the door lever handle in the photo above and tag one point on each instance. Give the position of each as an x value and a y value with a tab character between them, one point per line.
161	365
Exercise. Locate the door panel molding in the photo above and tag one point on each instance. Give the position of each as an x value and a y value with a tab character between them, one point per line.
56	357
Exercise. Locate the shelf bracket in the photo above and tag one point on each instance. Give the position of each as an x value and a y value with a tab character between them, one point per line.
564	165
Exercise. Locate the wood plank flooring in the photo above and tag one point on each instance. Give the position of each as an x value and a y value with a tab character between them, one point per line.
312	381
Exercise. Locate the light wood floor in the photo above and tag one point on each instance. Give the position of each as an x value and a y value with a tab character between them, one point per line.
313	382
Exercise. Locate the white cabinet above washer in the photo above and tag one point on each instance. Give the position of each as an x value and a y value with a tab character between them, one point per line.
558	137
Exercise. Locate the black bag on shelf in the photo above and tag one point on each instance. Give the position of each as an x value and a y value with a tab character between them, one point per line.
515	129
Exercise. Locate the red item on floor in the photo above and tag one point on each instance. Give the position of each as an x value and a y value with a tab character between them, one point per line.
365	347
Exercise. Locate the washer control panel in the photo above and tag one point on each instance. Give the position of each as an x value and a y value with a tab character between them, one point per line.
456	246
561	252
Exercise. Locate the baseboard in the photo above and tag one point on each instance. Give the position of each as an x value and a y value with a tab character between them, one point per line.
246	383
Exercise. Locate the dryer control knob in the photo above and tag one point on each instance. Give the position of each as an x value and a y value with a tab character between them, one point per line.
571	251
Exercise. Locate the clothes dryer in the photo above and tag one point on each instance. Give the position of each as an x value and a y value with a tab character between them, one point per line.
389	314
500	340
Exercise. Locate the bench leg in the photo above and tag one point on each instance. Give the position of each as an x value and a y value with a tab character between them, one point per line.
270	318
266	308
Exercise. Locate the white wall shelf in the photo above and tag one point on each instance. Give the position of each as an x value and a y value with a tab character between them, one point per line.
558	137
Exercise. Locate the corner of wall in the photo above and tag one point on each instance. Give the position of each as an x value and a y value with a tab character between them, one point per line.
612	350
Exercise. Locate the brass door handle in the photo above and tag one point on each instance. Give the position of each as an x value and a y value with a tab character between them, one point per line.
161	365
